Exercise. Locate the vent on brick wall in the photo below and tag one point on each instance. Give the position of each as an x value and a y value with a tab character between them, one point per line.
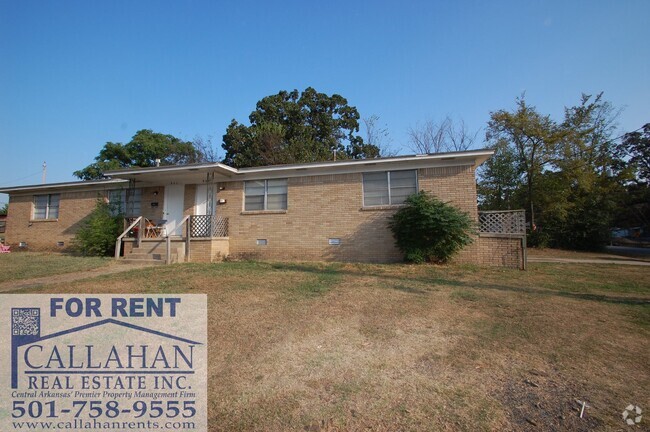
60	244
262	242
22	244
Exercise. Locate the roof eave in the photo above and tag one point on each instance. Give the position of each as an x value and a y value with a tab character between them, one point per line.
65	185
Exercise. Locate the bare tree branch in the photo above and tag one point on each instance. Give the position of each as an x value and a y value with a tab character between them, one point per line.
433	137
378	135
207	151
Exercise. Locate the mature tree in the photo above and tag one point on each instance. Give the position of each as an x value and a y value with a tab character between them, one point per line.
500	179
580	211
444	136
634	153
142	151
534	139
635	147
565	174
293	127
378	136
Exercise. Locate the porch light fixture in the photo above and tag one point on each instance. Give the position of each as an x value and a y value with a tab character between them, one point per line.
222	201
222	188
155	193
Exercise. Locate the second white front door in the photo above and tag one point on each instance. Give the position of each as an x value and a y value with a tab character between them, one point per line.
173	207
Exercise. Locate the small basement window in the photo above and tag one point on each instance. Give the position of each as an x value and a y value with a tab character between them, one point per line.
60	244
334	241
262	242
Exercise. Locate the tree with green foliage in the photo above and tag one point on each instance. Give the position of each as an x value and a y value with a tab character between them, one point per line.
582	204
293	127
500	185
635	147
563	173
4	209
427	229
142	151
533	139
99	231
634	159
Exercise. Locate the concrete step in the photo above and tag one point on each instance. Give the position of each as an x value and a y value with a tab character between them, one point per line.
140	261
145	256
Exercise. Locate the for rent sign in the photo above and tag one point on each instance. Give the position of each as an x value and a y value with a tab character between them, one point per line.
103	362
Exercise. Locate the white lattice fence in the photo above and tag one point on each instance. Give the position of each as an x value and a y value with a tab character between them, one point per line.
209	226
511	222
219	226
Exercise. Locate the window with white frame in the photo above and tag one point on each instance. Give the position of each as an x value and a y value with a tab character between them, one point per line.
46	206
265	195
388	187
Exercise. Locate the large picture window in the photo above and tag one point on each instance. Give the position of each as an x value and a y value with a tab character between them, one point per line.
388	187
126	202
46	206
265	195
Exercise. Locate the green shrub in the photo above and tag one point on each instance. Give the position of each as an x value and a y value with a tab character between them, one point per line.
427	229
99	232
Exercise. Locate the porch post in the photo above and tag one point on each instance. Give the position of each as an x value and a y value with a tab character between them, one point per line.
210	207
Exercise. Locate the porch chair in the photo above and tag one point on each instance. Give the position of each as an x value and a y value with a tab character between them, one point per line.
154	230
4	249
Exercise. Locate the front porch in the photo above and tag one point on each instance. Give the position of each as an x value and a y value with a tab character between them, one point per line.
196	238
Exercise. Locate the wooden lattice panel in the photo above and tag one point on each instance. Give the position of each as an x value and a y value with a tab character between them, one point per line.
512	222
208	226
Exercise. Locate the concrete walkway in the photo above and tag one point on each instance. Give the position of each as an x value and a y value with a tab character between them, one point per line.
68	277
604	260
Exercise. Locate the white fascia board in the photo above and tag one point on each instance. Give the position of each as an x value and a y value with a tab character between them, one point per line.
367	165
171	169
89	184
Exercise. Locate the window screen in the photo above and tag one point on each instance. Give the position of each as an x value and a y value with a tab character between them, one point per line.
265	195
388	187
46	206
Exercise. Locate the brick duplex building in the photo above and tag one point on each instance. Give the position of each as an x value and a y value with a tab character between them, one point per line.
336	211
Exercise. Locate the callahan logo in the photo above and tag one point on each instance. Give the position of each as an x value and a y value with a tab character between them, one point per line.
50	365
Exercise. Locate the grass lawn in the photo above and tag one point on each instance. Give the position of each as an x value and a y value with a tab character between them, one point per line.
26	265
315	346
561	253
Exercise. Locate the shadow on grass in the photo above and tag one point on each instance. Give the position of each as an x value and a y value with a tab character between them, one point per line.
455	283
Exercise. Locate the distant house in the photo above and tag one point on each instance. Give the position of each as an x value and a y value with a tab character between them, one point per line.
335	211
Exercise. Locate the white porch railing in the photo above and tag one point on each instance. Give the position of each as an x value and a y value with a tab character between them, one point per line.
195	226
118	243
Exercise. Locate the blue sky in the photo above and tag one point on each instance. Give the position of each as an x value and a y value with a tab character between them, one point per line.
75	74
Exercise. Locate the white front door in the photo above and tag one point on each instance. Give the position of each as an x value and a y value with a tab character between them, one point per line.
173	208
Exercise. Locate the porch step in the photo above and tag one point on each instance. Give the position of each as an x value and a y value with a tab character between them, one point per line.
145	256
140	255
140	261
